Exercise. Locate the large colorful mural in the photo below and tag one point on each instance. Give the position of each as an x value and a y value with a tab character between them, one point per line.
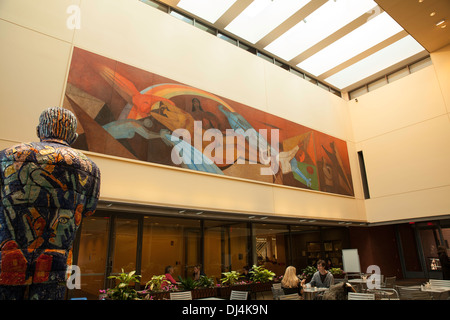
128	112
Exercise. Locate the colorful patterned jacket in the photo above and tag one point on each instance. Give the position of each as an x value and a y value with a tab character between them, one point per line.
46	189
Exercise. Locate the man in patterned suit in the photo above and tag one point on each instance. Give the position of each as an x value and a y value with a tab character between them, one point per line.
46	189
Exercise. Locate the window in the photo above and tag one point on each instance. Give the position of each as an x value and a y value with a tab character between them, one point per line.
227	38
169	241
398	74
205	27
358	92
419	65
156	5
270	243
181	17
225	247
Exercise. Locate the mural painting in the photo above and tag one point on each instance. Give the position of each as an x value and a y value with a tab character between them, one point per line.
129	112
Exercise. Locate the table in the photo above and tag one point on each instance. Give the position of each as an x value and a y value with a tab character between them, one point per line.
310	293
435	290
362	284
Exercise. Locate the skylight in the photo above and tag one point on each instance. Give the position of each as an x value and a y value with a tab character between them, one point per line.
359	40
210	10
396	52
262	16
323	22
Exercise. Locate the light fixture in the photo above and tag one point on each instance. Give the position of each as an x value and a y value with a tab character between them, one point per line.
182	211
199	213
440	22
263	218
251	217
432	14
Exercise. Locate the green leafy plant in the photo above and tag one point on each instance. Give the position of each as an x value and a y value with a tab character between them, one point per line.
261	274
155	283
205	282
308	272
336	271
123	290
187	283
230	278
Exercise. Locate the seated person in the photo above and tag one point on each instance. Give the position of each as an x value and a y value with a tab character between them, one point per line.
322	278
168	276
198	272
291	283
246	273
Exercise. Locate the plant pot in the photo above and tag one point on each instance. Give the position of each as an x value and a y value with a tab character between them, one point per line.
260	286
200	293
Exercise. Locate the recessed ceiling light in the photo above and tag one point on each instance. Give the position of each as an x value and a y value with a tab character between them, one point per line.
443	26
432	14
440	22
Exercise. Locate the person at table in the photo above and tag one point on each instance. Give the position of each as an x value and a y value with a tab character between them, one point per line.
198	272
290	282
445	262
322	278
246	273
168	274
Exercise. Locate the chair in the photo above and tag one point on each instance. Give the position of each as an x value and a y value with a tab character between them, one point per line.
293	296
440	283
389	282
276	293
182	295
385	294
413	293
238	295
361	296
276	285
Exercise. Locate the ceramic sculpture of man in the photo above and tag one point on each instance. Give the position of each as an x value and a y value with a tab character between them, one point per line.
47	187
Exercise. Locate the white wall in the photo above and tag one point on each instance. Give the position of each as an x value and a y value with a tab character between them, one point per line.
403	130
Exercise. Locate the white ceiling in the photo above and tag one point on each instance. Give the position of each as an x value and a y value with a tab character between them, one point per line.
342	43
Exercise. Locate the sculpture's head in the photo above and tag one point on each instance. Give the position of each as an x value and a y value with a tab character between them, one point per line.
57	123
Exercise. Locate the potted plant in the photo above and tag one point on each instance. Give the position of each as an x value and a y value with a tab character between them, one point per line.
157	288
308	272
262	278
123	290
229	279
205	288
187	284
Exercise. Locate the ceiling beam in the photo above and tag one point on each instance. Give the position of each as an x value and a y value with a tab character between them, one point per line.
337	35
297	17
364	54
235	10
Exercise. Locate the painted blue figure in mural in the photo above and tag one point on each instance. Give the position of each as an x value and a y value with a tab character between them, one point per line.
46	189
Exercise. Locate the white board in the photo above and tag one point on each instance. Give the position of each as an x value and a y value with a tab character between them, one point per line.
350	258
